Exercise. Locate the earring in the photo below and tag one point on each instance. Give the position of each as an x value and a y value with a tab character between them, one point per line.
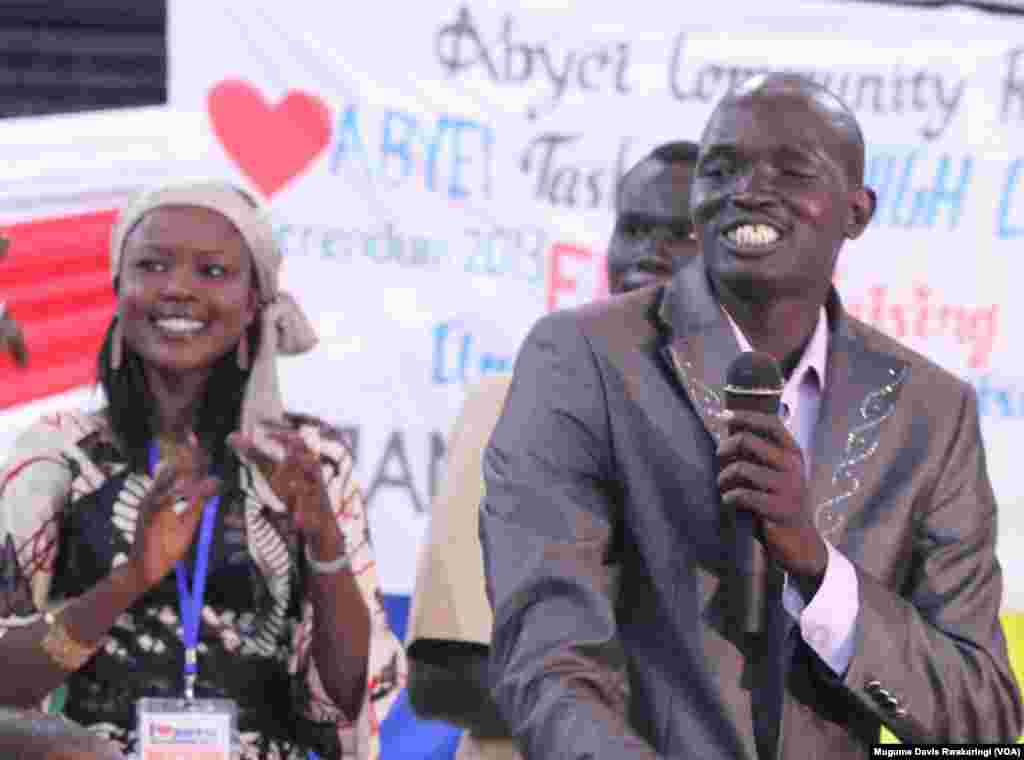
116	344
242	354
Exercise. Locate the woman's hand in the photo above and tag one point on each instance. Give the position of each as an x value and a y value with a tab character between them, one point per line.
293	472
170	511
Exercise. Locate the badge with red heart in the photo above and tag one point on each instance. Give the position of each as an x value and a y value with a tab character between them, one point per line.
271	144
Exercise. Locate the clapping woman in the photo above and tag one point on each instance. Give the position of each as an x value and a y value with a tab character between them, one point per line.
192	540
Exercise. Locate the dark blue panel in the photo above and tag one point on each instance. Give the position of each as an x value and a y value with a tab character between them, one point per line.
403	735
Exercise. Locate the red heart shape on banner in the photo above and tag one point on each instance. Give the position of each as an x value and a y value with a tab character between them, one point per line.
270	143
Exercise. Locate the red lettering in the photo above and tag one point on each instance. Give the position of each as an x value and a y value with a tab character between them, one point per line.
899	323
948	312
921	314
922	294
984	330
877	294
558	280
602	277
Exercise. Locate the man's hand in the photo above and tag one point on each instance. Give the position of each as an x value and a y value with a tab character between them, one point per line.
763	473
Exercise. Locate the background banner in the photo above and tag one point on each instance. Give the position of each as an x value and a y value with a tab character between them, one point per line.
442	173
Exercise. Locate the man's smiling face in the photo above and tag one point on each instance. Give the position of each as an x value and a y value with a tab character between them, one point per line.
774	198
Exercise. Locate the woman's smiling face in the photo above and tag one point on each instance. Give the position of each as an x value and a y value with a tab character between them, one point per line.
186	288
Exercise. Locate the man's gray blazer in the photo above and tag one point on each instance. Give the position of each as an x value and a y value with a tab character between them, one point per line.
605	451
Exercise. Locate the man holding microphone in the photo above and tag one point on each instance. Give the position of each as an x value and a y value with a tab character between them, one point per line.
450	622
864	545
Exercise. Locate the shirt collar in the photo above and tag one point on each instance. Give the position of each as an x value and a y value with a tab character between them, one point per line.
814	356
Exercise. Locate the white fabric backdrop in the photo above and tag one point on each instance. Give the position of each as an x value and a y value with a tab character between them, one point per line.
441	173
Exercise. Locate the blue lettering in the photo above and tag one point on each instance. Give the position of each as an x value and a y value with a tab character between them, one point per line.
432	151
440	361
371	250
901	204
456	358
458	156
1006	407
389	146
490	364
890	199
423	250
982	390
464	349
327	247
281	234
449	366
447	134
1007	231
1003	401
349	143
455	154
941	194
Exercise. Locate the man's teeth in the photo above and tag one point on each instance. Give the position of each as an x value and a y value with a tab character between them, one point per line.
753	235
180	325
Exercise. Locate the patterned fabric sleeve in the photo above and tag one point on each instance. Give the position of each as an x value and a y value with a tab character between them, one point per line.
386	670
35	484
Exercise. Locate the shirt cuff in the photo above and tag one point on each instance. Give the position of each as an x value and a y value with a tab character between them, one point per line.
828	621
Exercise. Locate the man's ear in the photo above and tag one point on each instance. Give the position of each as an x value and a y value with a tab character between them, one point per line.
862	209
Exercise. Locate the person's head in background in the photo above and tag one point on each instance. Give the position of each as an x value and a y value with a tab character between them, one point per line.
12	340
653	235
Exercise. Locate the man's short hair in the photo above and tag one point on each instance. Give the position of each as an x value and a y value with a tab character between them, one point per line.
677	152
830	104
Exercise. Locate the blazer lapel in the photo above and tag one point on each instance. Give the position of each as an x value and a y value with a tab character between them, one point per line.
701	344
700	348
862	388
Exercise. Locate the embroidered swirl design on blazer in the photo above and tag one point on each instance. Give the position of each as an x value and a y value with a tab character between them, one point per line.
708	399
861	443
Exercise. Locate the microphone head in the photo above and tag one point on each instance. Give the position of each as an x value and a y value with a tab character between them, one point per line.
754	381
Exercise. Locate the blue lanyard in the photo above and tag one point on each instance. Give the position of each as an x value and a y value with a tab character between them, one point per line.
190	600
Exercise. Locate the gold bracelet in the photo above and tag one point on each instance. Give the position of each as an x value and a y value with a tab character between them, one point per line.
65	651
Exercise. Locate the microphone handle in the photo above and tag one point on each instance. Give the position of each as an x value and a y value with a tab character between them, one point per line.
746	576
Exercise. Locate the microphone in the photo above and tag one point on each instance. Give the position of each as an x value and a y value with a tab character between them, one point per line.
754	383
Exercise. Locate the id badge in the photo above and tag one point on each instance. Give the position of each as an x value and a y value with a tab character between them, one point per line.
179	729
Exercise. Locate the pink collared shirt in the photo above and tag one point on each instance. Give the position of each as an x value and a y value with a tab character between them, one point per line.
828	621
